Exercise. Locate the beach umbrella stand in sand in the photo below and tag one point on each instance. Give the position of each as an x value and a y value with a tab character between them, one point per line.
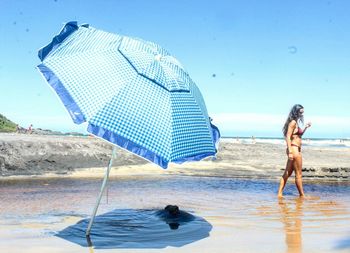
131	93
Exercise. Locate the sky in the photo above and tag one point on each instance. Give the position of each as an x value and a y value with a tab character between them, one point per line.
252	60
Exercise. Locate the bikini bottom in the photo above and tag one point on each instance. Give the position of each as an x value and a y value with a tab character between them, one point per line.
299	148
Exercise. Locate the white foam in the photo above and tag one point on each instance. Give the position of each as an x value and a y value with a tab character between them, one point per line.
280	141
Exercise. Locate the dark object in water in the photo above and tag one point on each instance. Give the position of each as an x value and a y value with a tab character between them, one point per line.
174	217
172	210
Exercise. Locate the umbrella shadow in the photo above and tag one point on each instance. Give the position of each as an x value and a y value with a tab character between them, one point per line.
138	228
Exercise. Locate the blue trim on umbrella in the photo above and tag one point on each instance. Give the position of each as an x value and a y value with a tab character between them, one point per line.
64	95
194	158
127	144
67	30
139	150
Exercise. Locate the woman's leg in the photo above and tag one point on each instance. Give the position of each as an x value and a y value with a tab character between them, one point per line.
287	173
298	166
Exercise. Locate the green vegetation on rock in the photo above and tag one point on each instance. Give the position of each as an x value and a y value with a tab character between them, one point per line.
6	125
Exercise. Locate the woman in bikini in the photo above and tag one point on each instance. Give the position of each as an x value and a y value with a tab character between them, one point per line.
293	133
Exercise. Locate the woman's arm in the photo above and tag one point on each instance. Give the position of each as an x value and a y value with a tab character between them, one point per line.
307	126
292	125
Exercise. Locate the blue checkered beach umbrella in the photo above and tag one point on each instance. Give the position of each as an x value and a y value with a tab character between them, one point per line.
130	92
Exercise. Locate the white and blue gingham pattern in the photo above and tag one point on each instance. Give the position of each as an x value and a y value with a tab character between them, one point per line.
132	93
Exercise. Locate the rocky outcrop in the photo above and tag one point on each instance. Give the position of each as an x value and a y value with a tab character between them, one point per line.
36	155
327	172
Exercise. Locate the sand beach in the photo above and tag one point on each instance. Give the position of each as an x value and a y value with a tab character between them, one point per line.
87	156
49	185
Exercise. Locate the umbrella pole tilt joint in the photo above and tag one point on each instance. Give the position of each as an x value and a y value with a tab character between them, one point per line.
103	186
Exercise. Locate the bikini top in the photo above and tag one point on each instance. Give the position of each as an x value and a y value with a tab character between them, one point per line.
299	132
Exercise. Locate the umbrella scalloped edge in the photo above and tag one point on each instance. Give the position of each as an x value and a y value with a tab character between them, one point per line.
67	30
139	150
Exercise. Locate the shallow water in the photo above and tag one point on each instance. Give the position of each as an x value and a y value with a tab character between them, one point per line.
240	215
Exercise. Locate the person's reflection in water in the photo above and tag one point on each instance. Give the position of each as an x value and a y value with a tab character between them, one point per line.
291	216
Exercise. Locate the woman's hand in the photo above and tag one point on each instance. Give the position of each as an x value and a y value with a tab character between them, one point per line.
308	125
290	156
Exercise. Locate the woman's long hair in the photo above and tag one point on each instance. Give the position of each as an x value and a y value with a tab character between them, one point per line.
293	115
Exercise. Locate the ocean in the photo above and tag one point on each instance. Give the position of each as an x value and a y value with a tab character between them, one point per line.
315	142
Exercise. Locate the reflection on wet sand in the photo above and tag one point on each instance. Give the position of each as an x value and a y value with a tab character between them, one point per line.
90	245
306	221
291	216
311	213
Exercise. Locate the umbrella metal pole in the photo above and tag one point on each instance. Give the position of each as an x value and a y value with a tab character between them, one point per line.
103	186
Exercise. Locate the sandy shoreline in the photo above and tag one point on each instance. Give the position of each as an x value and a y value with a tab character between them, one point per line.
24	156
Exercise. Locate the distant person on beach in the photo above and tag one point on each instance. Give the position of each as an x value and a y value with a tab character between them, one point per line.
293	133
30	129
253	140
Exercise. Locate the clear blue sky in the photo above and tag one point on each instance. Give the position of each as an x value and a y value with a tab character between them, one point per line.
252	60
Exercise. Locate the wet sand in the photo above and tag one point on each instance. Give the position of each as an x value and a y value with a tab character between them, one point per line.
245	214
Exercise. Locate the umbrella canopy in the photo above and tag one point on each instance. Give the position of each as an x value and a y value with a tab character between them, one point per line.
131	93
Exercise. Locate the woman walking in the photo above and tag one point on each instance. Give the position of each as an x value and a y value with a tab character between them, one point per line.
293	133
